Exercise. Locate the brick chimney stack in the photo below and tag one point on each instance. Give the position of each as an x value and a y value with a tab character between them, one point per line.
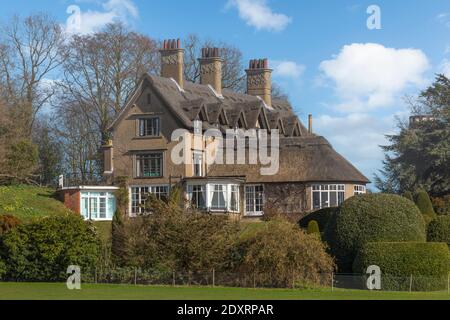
259	80
172	60
310	123
211	68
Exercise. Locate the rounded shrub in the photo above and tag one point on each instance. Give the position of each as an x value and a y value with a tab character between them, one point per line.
43	249
372	218
408	195
426	264
439	230
322	217
424	204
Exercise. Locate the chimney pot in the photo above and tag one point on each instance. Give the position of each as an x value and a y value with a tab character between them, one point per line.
211	69
310	123
259	80
172	56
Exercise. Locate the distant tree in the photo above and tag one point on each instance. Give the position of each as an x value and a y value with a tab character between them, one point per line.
20	162
419	155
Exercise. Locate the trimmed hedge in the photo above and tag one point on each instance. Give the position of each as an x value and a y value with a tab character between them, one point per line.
372	218
322	217
43	249
424	204
427	263
439	230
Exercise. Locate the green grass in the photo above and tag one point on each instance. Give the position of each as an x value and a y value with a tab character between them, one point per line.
27	202
58	291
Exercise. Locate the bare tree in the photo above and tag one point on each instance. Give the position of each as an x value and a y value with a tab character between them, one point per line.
29	50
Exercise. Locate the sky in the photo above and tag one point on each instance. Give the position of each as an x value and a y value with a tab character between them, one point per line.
353	79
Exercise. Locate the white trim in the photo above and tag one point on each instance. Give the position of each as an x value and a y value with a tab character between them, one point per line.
265	104
87	188
178	86
208	193
254	213
328	191
130	194
215	92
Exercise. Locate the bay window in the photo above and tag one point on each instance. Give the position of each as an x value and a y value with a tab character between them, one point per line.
359	190
327	195
219	197
197	196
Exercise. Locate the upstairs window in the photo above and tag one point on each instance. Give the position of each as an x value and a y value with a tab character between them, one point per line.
149	127
197	162
149	165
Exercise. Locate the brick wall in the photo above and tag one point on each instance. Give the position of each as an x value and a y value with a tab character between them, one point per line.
71	199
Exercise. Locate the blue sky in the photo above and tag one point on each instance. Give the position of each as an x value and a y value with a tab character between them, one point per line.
352	79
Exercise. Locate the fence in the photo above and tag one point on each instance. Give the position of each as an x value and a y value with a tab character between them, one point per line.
213	278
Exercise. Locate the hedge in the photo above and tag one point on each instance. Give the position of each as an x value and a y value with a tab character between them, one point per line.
439	230
43	249
424	204
372	218
427	263
322	217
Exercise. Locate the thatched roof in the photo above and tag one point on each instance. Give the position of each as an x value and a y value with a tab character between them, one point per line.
304	157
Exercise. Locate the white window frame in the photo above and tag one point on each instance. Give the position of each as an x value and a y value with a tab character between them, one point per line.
143	134
97	196
140	200
137	164
359	189
197	156
254	212
190	191
326	188
208	191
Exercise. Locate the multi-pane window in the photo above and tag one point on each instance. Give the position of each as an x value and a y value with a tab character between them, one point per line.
234	198
254	200
197	196
325	196
149	127
139	196
149	165
218	197
359	190
98	205
197	162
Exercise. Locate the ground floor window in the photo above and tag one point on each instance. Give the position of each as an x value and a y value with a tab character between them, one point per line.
214	196
98	205
254	200
139	196
327	195
359	190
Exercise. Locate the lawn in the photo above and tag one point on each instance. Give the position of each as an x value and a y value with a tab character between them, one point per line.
57	291
28	202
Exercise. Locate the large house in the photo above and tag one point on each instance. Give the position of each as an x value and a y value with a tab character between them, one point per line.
311	174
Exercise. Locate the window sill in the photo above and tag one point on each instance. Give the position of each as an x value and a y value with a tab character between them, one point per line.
253	214
148	138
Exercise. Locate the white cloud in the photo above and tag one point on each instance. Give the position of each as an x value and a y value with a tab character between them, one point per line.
444	18
89	21
368	76
287	69
258	14
445	67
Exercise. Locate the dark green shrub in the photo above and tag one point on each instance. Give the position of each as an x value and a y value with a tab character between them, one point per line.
8	222
441	205
428	263
372	218
424	204
439	230
43	249
408	195
322	217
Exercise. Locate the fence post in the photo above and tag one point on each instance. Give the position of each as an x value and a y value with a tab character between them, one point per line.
173	278
95	275
332	281
135	276
448	283
293	279
410	283
214	277
254	279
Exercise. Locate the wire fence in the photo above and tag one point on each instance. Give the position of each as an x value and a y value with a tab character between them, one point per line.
137	276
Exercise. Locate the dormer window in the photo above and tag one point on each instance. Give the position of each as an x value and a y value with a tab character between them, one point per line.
197	162
149	127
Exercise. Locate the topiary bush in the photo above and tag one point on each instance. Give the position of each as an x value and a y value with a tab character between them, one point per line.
313	228
427	263
439	230
372	218
322	217
424	204
408	195
43	249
